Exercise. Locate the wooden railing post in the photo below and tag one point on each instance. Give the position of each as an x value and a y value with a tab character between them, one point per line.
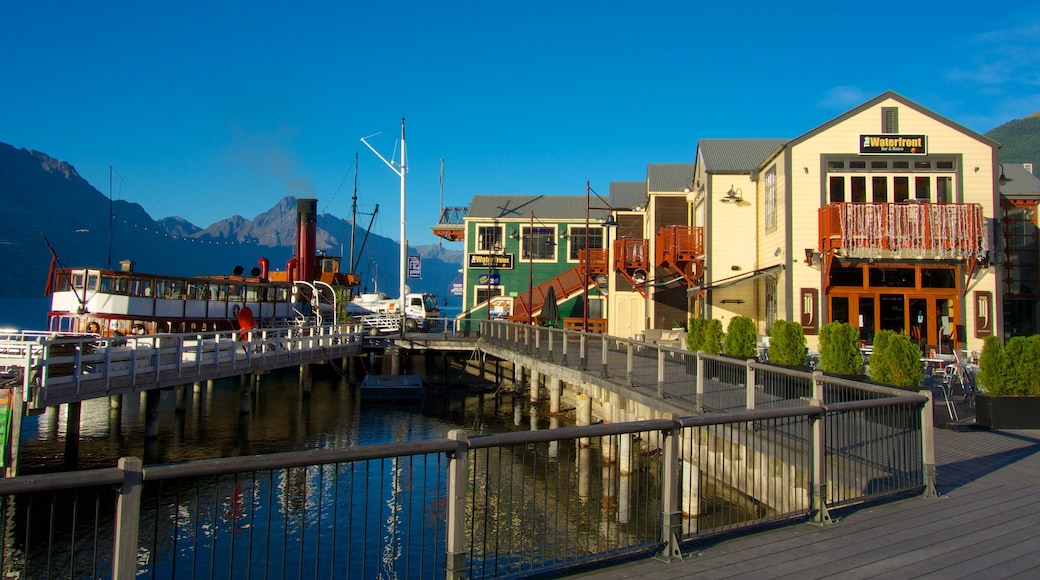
928	445
128	514
455	551
671	516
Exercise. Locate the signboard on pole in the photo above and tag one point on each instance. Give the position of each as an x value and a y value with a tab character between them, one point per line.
414	267
455	288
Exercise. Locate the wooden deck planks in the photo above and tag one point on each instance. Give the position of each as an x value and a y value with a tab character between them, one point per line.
987	522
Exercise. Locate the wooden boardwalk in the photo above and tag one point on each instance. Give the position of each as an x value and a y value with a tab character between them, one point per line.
986	522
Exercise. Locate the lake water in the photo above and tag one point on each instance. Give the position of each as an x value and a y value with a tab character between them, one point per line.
24	313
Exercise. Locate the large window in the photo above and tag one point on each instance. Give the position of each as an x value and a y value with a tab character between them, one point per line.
489	238
577	245
770	191
538	243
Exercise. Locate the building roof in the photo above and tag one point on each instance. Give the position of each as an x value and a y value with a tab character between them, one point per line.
669	176
520	207
1021	184
628	194
736	155
903	101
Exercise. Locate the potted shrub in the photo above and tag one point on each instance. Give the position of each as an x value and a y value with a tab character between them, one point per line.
741	338
1009	379
839	349
787	344
896	360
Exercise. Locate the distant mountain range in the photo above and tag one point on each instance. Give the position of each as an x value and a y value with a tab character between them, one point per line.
1020	140
42	195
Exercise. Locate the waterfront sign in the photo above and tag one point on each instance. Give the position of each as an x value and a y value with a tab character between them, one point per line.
893	144
499	261
414	267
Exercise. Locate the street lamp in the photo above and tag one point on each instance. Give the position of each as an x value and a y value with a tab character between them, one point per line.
609	222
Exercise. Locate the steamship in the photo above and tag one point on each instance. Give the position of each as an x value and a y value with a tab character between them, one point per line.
120	302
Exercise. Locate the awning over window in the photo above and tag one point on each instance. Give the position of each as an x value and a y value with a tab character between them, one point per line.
738	279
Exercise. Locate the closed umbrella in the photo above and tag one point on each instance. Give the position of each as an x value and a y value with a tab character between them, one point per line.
550	311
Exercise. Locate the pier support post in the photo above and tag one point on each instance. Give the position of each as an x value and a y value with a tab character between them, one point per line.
535	378
115	401
151	413
584	416
182	398
555	392
75	410
306	379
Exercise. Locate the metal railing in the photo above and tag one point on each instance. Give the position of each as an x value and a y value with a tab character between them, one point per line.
501	505
62	368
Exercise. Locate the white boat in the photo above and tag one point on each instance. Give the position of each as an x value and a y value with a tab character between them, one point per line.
121	302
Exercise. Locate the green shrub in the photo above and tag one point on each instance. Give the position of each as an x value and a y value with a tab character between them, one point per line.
1023	377
704	335
741	338
693	333
839	349
712	336
896	360
994	368
787	344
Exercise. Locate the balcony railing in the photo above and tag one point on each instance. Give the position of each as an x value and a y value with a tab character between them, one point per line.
914	229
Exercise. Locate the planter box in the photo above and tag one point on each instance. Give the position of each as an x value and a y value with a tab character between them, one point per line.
1007	412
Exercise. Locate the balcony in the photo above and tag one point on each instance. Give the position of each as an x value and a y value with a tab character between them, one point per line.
681	249
903	230
451	225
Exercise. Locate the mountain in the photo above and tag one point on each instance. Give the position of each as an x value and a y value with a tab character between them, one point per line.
43	195
1020	140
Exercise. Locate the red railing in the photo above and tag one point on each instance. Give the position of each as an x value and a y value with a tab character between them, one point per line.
679	244
955	230
631	254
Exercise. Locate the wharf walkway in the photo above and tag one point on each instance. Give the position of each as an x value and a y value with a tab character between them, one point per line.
986	521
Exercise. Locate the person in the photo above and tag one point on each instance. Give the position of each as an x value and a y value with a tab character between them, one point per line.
93	327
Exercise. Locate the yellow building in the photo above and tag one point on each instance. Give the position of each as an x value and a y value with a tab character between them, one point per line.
883	217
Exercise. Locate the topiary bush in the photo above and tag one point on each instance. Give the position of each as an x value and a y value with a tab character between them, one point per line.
741	338
994	368
693	333
787	344
1023	375
712	336
896	360
839	349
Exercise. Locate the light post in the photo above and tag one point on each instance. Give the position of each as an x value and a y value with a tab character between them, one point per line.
588	252
530	272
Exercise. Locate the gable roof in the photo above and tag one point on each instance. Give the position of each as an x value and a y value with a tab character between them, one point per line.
901	100
1021	184
520	207
627	194
669	176
736	155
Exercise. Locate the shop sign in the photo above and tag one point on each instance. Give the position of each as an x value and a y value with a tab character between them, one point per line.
810	299
499	261
983	314
893	144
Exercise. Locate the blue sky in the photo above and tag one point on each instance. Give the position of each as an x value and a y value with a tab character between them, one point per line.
210	109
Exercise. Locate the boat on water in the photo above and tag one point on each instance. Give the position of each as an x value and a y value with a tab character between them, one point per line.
110	302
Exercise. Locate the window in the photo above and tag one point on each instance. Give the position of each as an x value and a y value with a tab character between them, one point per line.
837	189
859	189
944	189
538	243
489	238
923	188
578	241
901	189
482	293
770	201
880	189
771	302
